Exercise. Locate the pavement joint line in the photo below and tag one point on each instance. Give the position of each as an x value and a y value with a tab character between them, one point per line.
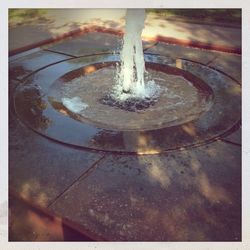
82	176
15	79
212	60
24	53
61	53
51	214
22	79
213	68
231	142
54	63
94	28
44	67
151	46
231	77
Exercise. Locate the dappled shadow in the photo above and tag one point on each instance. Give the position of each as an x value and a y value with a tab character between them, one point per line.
189	195
156	26
31	190
39	25
193	195
200	200
31	223
204	16
193	32
27	16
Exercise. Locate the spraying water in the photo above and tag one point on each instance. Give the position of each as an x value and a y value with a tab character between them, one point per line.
132	60
131	74
133	89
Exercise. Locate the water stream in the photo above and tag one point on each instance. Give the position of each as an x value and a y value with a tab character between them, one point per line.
132	79
133	89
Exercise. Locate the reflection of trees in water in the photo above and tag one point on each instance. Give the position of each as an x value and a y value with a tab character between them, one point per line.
129	141
31	105
106	139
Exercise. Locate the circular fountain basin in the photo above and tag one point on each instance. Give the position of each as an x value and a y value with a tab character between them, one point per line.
183	98
196	105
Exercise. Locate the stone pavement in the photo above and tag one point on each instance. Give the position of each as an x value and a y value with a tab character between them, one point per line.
29	223
56	22
189	195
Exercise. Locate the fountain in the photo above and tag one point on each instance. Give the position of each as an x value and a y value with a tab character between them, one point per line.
131	75
126	103
131	102
130	91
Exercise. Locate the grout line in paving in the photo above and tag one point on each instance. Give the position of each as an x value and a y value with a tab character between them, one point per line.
22	54
44	67
61	53
230	142
212	60
82	176
150	46
51	214
15	79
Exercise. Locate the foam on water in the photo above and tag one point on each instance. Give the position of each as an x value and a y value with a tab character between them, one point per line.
74	104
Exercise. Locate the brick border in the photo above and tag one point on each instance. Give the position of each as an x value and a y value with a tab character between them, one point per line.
169	40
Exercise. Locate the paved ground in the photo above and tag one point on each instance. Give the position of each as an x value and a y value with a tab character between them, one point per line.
190	195
56	22
29	223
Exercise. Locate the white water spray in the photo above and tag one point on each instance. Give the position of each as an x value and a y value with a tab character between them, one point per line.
132	87
132	60
131	74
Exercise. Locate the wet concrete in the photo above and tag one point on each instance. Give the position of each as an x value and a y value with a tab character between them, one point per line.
234	137
29	223
175	51
188	195
94	43
186	129
184	196
40	170
231	64
23	66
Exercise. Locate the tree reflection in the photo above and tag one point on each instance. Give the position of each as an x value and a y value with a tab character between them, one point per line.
30	105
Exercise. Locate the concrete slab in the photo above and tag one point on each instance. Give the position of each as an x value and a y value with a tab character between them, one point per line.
56	22
90	43
229	63
208	34
27	223
40	170
24	35
192	195
25	65
87	44
235	137
176	51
